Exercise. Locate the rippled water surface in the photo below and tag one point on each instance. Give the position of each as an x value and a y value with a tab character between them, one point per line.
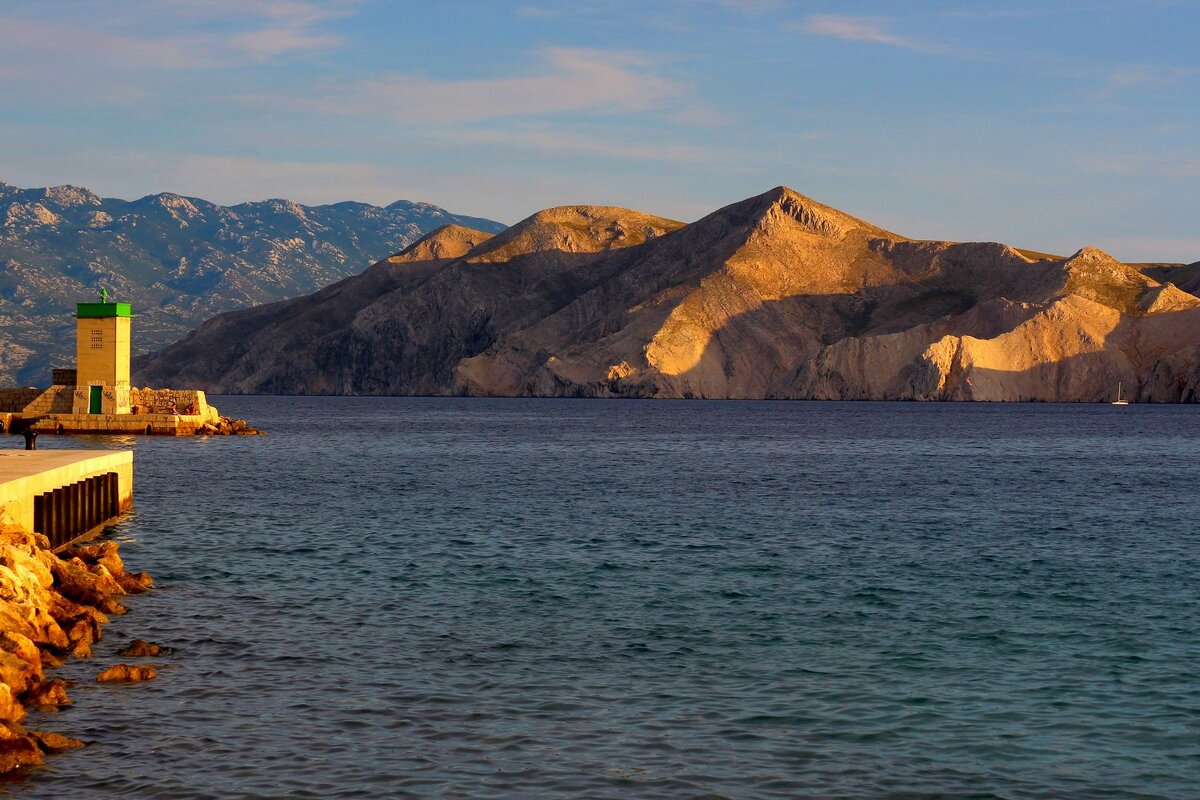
605	599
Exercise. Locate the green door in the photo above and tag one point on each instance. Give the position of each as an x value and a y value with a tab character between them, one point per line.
94	400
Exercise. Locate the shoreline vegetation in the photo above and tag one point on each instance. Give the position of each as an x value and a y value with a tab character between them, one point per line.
53	607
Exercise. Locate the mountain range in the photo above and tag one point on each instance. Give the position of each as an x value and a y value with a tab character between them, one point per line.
178	260
777	296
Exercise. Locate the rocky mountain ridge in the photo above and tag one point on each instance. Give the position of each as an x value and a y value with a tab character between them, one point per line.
178	260
777	296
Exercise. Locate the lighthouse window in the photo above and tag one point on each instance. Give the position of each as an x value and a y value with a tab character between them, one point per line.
97	340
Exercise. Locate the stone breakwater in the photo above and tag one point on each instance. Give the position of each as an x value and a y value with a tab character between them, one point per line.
225	426
52	607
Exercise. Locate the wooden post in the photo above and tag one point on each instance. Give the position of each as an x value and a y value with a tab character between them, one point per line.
74	495
58	499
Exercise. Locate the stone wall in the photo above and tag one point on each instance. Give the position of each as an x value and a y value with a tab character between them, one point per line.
55	400
158	401
14	401
113	400
125	424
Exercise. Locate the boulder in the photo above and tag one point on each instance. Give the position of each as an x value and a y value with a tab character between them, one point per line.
17	748
104	554
224	426
140	648
48	695
51	742
22	647
75	582
11	709
16	673
127	673
110	606
105	581
50	607
67	613
135	583
82	638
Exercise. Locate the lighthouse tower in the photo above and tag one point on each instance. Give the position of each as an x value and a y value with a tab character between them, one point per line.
102	357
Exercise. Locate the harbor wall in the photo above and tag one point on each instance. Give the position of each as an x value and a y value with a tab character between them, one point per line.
26	475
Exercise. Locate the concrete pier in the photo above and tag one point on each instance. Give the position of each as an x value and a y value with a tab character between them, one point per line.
65	494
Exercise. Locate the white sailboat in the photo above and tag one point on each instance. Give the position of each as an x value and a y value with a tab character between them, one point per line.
1119	401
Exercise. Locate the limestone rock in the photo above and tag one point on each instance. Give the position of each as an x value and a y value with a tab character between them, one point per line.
135	583
225	426
127	673
48	695
17	748
50	607
140	648
110	605
51	742
82	638
76	583
67	613
11	709
104	554
23	648
776	296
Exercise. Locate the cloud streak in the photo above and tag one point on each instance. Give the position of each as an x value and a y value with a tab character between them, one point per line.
872	30
1143	166
289	27
1132	77
260	32
567	80
549	140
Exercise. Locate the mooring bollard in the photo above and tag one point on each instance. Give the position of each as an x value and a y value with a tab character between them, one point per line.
30	439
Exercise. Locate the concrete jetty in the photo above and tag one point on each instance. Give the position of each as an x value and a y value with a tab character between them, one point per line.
65	494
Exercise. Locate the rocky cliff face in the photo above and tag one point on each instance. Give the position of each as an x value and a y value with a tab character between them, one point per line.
777	296
179	260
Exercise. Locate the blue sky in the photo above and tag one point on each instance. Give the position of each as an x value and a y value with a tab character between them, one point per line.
1045	125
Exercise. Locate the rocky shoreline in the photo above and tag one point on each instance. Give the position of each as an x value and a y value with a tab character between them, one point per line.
227	426
53	607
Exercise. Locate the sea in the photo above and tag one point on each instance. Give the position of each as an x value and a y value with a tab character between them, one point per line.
518	598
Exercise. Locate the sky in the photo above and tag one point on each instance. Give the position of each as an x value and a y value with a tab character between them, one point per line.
1046	125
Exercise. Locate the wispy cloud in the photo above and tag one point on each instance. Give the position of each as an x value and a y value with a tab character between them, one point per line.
1136	164
1127	77
254	31
566	80
873	30
641	12
25	40
748	6
288	27
545	139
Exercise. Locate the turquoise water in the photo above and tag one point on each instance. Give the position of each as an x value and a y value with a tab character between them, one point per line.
611	599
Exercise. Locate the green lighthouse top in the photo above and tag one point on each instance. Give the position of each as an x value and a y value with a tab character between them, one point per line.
103	308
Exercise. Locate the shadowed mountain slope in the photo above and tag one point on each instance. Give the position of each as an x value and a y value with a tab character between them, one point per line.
178	260
775	296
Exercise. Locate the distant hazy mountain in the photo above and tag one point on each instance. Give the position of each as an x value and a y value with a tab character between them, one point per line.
775	296
178	260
